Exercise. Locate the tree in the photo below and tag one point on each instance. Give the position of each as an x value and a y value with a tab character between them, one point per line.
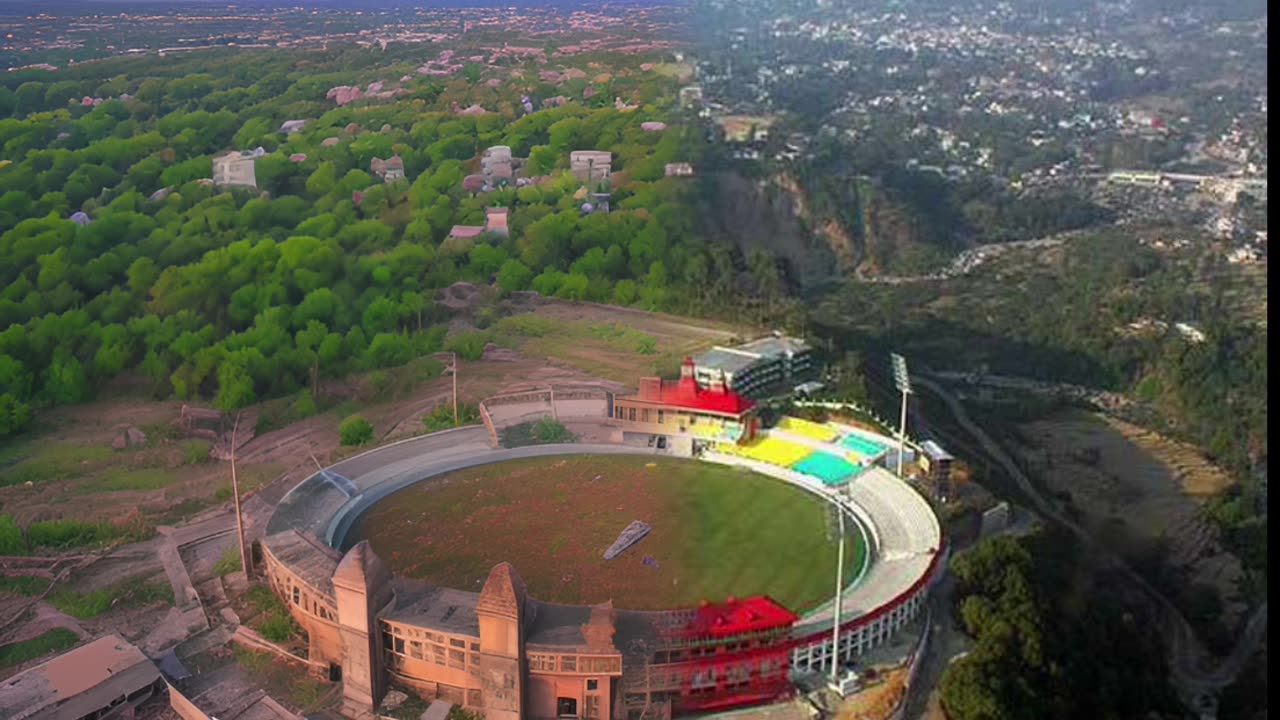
15	416
66	382
235	387
355	430
514	275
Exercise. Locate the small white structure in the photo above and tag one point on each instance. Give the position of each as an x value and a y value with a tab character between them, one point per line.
237	168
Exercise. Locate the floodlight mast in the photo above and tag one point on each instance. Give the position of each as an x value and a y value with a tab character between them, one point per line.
835	623
902	381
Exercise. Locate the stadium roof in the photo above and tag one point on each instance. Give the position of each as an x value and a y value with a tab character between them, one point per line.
78	682
686	393
735	617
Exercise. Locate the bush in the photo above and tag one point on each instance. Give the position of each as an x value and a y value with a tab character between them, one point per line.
273	621
355	430
548	431
65	534
195	450
441	418
86	606
229	562
543	432
11	542
470	345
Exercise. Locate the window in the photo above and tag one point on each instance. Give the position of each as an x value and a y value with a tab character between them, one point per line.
644	415
415	649
475	660
632	414
458	643
567	707
395	630
475	647
593	685
542	662
297	596
457	659
386	641
569	663
592	706
661	413
399	649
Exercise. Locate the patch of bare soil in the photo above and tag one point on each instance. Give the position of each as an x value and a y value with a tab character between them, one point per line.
1138	489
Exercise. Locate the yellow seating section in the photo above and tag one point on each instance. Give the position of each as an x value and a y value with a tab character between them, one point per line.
808	429
769	450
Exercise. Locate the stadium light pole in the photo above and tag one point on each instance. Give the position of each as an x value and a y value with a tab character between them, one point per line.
835	623
902	381
454	372
235	491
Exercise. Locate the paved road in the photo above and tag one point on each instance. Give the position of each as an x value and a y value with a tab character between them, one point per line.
1187	656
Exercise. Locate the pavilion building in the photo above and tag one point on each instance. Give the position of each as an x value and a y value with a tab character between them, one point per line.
682	417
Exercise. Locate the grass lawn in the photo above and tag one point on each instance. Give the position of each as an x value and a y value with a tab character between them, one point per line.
717	532
55	640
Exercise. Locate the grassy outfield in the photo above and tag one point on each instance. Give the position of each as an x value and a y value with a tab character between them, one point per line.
717	532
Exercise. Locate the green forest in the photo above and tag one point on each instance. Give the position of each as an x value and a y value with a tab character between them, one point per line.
1046	647
238	294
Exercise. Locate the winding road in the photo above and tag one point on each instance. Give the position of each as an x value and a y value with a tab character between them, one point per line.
1186	655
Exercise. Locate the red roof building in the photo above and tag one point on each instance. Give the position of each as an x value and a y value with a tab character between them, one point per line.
684	414
734	618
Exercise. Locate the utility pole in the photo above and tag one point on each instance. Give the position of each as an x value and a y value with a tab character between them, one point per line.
835	623
235	492
903	382
455	388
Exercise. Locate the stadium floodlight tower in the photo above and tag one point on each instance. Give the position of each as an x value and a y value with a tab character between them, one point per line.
903	382
835	622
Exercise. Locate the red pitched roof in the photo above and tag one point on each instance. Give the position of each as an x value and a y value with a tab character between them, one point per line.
737	617
686	393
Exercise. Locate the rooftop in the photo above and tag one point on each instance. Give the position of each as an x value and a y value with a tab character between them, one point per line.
734	617
935	451
725	360
437	608
775	346
686	393
587	629
77	682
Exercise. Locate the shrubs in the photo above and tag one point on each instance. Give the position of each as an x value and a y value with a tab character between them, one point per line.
86	606
469	345
546	431
273	620
355	430
11	542
441	418
229	562
64	534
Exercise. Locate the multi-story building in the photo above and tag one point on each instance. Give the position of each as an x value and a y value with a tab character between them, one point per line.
756	366
682	416
718	656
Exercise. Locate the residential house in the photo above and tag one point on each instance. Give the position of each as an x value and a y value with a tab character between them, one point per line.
495	222
237	168
387	170
679	170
